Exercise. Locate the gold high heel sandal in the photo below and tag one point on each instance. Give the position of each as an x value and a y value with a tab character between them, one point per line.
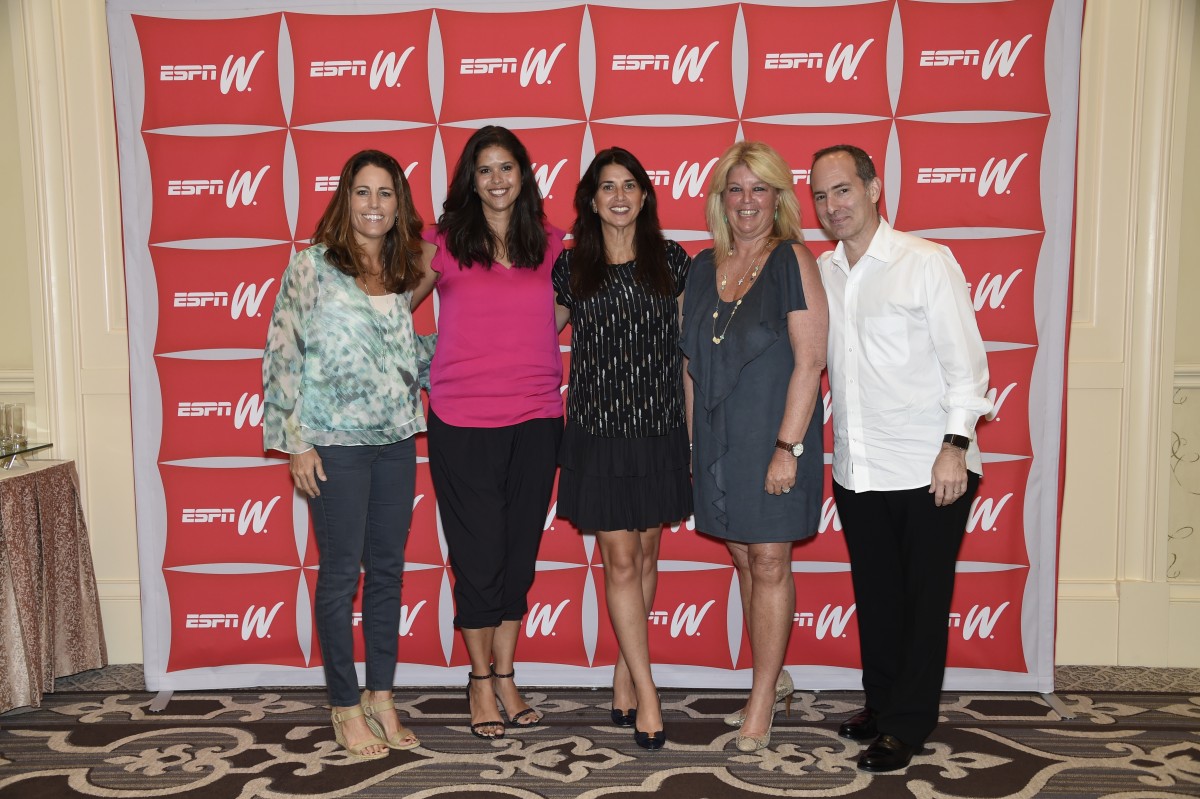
784	688
403	738
752	743
356	751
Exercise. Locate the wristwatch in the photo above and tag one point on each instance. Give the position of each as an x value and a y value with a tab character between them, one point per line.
795	449
962	442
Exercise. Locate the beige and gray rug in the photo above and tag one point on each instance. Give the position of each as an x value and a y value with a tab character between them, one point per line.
105	742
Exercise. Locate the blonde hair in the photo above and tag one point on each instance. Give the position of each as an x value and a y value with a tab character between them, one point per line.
761	159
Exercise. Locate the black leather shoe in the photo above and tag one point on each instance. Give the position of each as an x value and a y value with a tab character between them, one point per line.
887	753
624	718
860	726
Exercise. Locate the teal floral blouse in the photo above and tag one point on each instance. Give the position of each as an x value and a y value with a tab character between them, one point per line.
336	371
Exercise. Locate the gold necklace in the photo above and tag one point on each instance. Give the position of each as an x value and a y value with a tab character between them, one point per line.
366	290
752	271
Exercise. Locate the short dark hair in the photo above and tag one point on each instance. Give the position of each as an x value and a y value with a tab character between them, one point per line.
589	258
468	237
864	167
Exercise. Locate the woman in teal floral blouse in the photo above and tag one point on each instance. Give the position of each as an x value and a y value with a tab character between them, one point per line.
340	377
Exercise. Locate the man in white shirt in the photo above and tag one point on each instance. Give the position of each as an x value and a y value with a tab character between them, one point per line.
909	377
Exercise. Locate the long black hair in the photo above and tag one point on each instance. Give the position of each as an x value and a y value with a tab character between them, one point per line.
589	259
468	236
401	254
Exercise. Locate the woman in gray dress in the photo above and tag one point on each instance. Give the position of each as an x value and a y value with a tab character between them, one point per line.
754	328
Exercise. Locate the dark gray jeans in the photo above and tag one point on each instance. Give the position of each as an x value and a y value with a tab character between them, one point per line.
361	517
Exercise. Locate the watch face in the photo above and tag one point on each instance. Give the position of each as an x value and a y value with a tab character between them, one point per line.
798	450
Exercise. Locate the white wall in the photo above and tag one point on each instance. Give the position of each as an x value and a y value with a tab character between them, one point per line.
1117	604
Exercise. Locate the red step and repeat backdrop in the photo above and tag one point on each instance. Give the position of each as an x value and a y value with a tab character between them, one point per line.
235	117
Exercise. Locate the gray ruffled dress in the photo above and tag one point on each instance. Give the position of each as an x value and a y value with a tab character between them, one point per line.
739	393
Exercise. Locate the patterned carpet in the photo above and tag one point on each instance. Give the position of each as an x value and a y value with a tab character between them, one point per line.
273	744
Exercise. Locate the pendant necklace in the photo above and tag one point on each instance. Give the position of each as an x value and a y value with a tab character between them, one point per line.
752	272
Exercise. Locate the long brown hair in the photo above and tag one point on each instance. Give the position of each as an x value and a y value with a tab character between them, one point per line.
468	237
401	252
588	258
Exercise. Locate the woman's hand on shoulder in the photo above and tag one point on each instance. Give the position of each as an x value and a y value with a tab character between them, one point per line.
307	470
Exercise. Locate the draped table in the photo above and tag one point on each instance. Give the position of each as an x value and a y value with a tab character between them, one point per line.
49	609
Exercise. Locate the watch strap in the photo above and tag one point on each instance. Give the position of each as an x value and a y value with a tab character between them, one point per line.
962	442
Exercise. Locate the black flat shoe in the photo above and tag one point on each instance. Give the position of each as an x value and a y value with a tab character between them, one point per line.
888	753
624	718
860	726
650	740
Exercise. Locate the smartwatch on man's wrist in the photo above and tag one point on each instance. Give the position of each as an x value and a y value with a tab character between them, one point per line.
962	442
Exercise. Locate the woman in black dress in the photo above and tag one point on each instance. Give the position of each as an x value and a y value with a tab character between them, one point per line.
624	458
754	328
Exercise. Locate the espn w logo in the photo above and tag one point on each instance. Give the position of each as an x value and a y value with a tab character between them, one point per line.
535	66
1002	56
690	177
946	174
997	400
336	69
247	299
201	299
385	68
992	290
999	59
996	173
980	621
832	619
255	516
949	58
542	618
408	617
234	74
256	621
842	62
545	177
984	513
829	517
686	618
999	172
249	410
207	515
688	62
242	187
205	409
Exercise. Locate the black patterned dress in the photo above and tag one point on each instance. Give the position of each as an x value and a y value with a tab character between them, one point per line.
624	456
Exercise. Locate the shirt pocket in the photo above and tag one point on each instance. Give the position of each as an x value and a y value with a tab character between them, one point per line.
885	341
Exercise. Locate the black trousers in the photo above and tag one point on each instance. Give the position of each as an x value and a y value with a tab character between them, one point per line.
903	550
493	487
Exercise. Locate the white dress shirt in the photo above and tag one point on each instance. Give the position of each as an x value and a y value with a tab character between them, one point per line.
906	361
